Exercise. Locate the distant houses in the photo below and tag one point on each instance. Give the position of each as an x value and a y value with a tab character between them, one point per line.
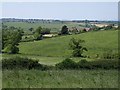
87	29
49	35
75	30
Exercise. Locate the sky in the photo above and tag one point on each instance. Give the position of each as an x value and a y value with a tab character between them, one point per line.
61	10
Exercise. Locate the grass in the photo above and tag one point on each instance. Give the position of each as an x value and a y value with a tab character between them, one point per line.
60	79
96	43
54	50
55	26
43	60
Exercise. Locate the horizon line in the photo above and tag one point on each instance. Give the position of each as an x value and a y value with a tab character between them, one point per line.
56	19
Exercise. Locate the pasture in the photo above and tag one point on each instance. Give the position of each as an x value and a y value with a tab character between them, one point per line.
96	43
54	26
53	50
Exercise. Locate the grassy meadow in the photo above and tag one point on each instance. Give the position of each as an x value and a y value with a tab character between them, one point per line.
96	43
54	26
60	79
54	50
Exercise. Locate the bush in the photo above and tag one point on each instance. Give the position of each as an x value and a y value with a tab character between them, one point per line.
37	33
22	63
64	30
77	46
99	64
84	64
66	64
109	27
45	31
11	49
110	55
25	63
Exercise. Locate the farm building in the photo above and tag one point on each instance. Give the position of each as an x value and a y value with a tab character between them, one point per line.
49	35
73	29
87	29
100	25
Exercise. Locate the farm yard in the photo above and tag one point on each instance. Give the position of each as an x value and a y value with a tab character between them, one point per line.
51	61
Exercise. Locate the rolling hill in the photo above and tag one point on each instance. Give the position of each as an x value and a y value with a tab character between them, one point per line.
96	43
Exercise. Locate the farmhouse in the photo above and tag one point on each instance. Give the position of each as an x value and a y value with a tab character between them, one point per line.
49	35
100	25
116	26
87	29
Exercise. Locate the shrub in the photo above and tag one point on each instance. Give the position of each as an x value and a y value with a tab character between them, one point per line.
84	64
109	27
64	30
22	63
66	64
77	46
110	55
37	33
45	31
99	64
11	49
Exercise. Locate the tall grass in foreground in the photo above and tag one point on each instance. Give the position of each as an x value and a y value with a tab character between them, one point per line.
60	79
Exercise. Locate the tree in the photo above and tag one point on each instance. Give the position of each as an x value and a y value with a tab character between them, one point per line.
11	37
37	34
77	47
11	49
64	30
31	29
4	27
10	41
74	30
86	23
12	28
45	31
110	26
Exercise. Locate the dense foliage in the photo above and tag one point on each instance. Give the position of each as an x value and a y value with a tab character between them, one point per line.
11	37
64	30
40	31
22	63
37	34
67	64
45	31
84	64
77	47
26	63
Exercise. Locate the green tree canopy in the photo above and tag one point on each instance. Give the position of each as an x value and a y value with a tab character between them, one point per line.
64	30
10	40
77	46
37	34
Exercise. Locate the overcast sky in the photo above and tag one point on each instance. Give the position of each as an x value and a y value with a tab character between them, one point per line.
61	10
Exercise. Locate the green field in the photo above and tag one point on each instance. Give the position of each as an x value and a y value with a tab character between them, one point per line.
53	50
54	26
96	42
60	79
43	60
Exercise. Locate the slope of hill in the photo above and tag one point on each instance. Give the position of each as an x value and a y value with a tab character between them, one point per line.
96	43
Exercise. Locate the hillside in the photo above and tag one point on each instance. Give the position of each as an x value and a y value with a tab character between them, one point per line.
54	26
96	43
